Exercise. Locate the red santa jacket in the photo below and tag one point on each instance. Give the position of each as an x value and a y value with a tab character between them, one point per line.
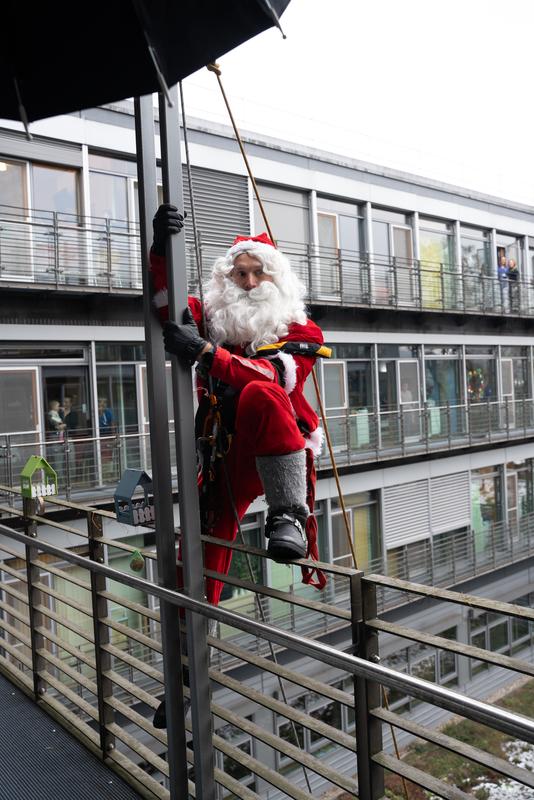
233	367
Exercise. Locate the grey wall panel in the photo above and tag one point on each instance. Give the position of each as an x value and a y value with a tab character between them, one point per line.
221	205
406	513
15	145
450	503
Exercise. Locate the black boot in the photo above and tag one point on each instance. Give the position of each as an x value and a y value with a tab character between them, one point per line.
287	536
160	717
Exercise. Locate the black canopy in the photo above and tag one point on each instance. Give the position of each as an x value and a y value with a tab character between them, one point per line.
63	56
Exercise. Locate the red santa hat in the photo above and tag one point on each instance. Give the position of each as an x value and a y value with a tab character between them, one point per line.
251	244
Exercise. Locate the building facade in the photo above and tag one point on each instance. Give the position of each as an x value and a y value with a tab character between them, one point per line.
424	291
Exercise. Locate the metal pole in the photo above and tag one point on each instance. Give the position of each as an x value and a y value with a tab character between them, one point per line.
197	648
369	729
101	633
161	459
35	618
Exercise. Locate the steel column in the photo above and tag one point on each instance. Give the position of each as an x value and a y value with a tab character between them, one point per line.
35	618
106	715
161	458
192	557
369	728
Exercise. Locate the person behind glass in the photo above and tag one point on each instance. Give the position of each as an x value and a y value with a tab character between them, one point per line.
502	275
54	421
513	284
69	414
105	417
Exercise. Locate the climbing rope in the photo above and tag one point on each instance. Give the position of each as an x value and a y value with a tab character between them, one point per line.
217	72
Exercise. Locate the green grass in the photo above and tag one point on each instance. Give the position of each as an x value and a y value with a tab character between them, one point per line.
455	770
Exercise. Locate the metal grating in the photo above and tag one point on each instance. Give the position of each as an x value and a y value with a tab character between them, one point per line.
39	760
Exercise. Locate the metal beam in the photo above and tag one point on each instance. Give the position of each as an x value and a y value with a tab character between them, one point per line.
182	388
161	459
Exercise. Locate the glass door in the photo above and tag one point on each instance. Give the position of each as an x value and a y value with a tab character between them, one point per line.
334	374
16	263
408	393
328	264
507	394
512	503
68	425
20	420
402	252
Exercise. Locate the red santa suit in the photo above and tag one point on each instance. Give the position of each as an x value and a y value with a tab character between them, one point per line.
269	416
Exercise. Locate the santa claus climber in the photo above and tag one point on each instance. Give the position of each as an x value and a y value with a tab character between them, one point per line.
253	347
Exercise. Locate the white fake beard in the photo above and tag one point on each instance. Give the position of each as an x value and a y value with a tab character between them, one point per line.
249	318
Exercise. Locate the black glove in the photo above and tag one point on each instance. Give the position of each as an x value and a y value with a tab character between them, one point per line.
166	221
183	340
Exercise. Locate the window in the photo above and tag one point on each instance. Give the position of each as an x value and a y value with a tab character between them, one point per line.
436	253
19	410
411	561
499	633
12	193
241	740
362	512
55	189
288	214
476	259
426	662
109	197
318	707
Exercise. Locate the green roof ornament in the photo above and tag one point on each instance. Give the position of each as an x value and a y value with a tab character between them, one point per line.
130	510
42	485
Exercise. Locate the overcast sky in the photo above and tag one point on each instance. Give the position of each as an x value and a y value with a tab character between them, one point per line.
441	89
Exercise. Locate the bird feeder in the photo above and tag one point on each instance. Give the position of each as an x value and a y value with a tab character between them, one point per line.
37	478
130	510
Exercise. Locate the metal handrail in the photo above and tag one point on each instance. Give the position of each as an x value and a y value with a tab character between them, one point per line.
365	670
39	247
94	463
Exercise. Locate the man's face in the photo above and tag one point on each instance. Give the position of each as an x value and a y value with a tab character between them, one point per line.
248	272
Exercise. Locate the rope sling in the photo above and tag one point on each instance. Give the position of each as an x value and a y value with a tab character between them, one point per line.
215	69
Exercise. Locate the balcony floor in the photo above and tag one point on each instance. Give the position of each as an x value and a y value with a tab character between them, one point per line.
39	760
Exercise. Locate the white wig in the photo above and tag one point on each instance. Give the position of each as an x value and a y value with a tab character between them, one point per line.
261	315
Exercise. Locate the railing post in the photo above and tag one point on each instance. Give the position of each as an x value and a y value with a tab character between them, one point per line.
340	273
101	633
108	253
401	430
56	246
442	280
310	272
66	454
393	270
9	458
35	618
367	693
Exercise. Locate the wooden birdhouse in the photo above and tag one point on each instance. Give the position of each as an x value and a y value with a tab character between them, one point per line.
134	510
37	478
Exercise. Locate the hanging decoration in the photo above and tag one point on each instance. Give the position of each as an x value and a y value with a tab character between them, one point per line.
476	384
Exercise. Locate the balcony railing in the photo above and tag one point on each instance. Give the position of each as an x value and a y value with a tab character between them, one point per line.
72	252
367	435
91	655
87	463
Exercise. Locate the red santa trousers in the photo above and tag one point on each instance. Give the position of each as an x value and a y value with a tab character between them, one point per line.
265	425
